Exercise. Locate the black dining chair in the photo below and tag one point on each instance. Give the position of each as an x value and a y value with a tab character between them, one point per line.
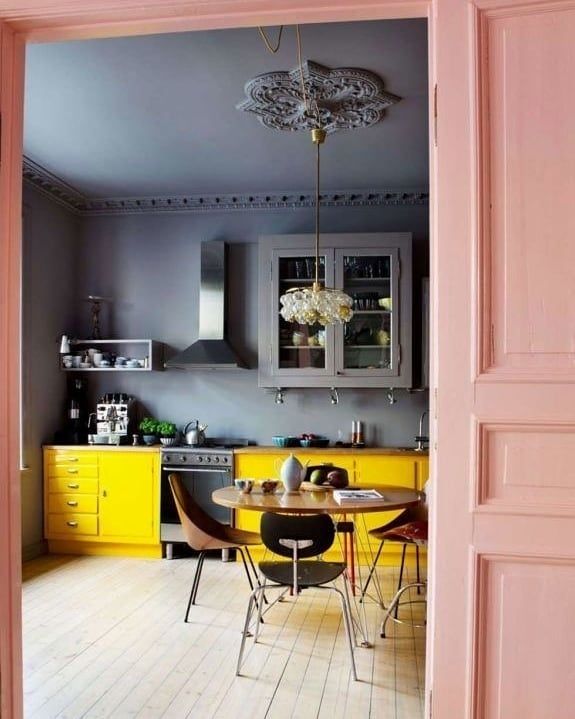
299	538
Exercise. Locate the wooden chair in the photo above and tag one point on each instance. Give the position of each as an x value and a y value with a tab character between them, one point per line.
299	538
203	533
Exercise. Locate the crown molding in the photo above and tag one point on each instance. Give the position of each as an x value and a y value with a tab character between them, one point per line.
79	204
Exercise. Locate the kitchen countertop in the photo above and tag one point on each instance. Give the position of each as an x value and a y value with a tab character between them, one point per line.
390	451
104	447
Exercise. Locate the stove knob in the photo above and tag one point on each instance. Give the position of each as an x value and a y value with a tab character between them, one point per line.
208	459
216	459
183	458
200	459
167	458
225	460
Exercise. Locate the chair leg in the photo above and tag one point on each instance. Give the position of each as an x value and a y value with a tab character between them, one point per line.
254	570
346	611
249	612
400	575
260	607
373	569
195	583
248	575
418	578
392	609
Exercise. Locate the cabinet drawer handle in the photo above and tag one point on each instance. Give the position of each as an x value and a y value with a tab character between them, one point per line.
72	524
71	503
71	459
73	486
71	470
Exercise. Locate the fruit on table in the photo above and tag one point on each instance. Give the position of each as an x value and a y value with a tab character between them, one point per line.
338	478
318	476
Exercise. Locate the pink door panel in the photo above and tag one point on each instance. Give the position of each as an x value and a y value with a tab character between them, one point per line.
530	161
503	555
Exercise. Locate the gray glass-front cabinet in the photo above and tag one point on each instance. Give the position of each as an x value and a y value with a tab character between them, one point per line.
374	348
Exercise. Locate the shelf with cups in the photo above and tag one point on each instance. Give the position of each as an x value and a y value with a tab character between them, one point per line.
373	349
113	355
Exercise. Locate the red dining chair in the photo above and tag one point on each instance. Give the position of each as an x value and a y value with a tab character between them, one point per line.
409	528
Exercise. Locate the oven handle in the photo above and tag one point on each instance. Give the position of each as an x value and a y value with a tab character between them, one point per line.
211	470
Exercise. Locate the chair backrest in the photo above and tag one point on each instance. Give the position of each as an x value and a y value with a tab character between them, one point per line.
318	528
198	527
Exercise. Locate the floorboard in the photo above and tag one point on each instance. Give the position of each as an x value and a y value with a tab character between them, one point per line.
105	637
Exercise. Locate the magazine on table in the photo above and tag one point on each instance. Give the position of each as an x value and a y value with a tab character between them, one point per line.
356	495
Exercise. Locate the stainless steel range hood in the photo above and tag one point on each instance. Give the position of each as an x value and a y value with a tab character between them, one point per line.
211	350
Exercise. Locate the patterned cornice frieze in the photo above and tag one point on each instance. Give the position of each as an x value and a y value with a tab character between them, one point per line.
342	98
52	186
79	204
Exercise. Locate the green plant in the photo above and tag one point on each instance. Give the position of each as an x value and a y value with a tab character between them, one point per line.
166	429
148	425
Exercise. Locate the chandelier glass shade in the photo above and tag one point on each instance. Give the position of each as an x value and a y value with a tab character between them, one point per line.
316	304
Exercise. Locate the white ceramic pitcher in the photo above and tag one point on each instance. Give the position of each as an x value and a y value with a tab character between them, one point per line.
292	473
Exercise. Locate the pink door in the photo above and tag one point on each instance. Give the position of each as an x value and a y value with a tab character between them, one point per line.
502	642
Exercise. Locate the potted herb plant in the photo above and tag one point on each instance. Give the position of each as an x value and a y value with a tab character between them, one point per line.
149	430
167	432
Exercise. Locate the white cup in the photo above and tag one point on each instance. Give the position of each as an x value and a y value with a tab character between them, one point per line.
76	359
97	357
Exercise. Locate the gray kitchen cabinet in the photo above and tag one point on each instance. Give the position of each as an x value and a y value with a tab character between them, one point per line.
374	348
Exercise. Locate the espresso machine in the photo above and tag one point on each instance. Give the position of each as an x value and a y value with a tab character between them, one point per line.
115	420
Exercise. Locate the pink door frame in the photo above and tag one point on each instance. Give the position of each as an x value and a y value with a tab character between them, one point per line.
38	20
503	369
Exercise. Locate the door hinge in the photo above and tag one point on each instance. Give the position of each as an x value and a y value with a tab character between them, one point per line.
431	704
435	115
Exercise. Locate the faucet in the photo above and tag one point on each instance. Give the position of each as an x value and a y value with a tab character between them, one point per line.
421	439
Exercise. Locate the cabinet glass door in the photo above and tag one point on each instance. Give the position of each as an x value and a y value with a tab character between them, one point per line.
300	348
369	342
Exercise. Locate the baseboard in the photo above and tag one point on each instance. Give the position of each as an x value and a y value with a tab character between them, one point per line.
34	550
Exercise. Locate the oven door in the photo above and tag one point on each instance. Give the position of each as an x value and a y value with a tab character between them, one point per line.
200	483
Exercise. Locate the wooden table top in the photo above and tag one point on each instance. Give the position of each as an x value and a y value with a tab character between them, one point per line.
305	502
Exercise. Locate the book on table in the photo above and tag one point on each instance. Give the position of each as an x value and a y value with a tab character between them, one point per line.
356	495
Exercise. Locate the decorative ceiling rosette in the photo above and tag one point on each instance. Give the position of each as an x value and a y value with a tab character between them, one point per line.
342	98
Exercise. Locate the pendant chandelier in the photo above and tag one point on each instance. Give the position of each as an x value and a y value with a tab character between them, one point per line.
317	304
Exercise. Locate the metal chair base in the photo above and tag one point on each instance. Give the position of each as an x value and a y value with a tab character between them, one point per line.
392	611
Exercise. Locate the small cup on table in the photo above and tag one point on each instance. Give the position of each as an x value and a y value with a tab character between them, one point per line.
245	486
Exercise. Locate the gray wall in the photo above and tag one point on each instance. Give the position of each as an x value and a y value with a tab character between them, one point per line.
150	266
49	276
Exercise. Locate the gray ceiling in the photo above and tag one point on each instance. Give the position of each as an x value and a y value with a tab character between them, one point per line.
155	115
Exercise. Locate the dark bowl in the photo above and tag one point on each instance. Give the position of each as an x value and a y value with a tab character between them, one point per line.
317	442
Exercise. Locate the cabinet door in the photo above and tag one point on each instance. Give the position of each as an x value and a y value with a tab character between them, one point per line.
299	349
128	496
369	344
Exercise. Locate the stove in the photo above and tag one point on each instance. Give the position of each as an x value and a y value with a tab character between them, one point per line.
203	469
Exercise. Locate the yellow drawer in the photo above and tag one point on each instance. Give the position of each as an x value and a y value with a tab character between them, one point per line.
73	485
82	503
65	470
66	456
72	524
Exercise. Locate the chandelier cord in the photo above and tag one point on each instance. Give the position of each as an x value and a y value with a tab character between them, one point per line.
267	42
317	175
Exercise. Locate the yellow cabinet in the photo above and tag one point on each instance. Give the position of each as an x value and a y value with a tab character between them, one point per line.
103	501
127	500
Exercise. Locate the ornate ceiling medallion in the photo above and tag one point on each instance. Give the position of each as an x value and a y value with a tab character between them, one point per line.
346	98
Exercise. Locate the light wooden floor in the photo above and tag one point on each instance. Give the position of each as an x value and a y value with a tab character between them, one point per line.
105	637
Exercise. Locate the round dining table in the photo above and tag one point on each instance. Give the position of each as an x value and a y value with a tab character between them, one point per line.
322	501
315	502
